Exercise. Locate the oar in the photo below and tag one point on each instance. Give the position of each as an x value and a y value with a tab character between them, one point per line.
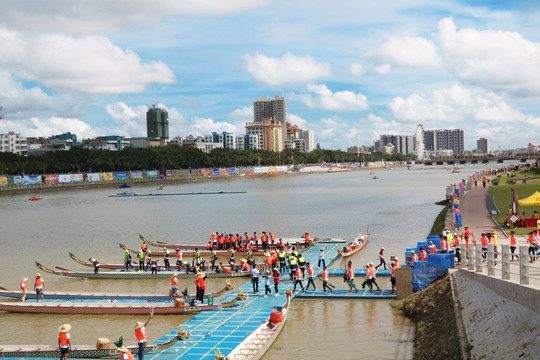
60	268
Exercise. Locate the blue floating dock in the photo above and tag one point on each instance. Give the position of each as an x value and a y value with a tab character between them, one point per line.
225	329
344	294
357	272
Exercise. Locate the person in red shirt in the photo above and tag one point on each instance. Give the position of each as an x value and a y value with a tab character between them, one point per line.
64	341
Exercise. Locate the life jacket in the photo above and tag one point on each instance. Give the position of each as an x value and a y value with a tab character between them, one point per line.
484	241
272	237
298	273
423	255
39	281
274	258
255	237
292	261
179	254
513	240
268	260
325	275
140	333
281	255
301	261
433	249
414	258
174	281
310	271
63	338
350	273
443	245
306	237
457	243
24	285
127	355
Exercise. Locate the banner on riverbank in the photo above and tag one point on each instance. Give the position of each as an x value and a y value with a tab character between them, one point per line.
18	180
77	178
214	172
232	171
136	174
93	177
152	174
3	181
64	178
50	179
32	180
223	172
120	175
106	176
205	172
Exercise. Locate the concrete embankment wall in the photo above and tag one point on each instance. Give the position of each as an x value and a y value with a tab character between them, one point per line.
501	319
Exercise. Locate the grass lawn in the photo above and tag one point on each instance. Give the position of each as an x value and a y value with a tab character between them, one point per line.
503	196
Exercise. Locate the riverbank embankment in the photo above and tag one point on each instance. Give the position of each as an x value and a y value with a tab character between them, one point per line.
174	177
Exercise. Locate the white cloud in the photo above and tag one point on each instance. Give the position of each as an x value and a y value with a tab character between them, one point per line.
500	60
459	104
381	69
297	120
21	103
129	121
289	69
357	69
205	126
320	97
242	115
36	127
83	17
89	64
406	51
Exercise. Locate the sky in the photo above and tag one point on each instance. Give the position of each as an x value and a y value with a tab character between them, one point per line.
350	70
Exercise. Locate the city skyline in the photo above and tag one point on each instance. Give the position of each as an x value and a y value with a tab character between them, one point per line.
349	71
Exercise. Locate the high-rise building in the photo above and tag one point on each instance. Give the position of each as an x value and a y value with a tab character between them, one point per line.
270	133
482	146
451	139
270	108
309	139
13	143
157	123
448	139
402	143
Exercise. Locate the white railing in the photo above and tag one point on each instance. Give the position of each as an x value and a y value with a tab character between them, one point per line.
476	259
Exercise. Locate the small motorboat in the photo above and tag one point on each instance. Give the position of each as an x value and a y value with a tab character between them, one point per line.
35	198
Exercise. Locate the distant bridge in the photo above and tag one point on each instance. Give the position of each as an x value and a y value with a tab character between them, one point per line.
476	160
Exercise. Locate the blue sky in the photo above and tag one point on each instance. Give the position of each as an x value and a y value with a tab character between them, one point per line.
348	69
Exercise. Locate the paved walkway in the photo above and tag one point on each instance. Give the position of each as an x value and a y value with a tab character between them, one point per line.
475	214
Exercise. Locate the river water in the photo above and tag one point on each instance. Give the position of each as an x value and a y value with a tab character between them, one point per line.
399	207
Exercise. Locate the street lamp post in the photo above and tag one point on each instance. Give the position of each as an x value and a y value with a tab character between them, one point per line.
259	157
279	153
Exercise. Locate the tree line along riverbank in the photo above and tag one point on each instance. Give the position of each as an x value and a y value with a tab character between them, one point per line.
79	159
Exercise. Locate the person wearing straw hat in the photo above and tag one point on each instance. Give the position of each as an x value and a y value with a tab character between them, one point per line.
64	341
24	288
126	354
140	333
201	286
38	287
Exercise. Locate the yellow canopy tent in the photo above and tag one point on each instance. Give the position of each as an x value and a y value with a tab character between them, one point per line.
534	199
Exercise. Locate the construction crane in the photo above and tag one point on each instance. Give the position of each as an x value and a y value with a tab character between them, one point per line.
154	104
